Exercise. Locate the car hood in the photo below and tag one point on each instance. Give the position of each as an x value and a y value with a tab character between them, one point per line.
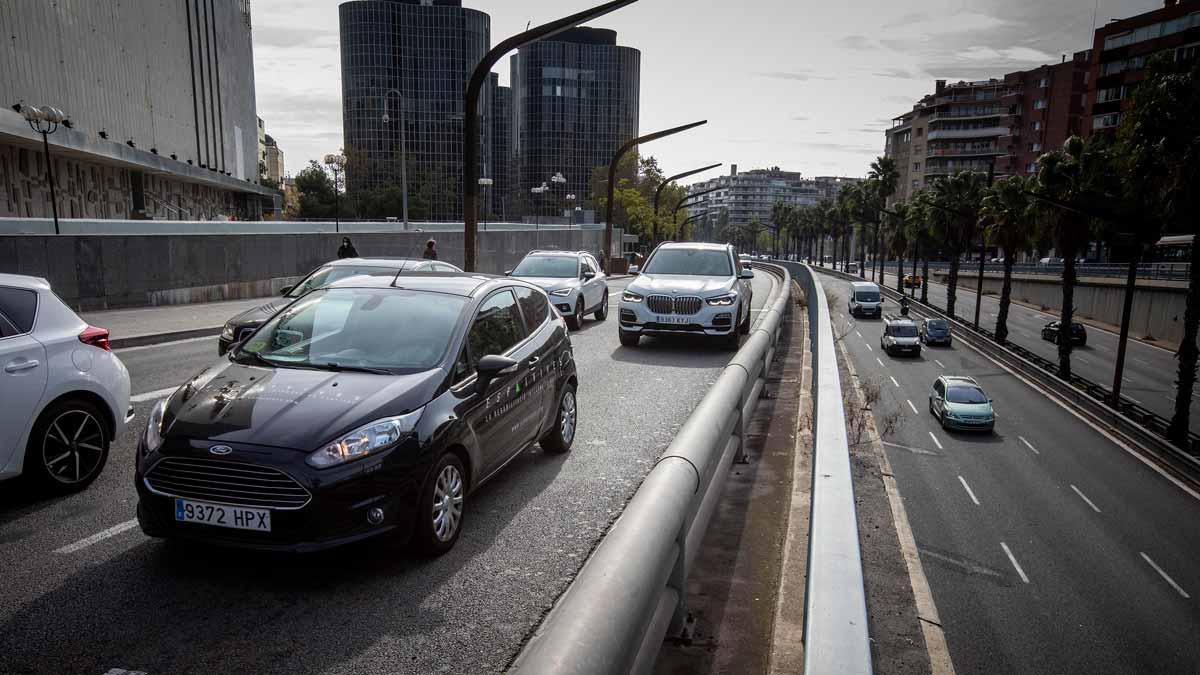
970	409
258	315
681	284
550	283
289	407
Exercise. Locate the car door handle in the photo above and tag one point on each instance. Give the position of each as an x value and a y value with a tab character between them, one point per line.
18	367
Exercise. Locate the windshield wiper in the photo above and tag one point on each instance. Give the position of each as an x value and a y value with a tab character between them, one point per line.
256	357
337	367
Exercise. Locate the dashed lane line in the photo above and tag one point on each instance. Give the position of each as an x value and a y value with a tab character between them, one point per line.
970	493
936	441
1165	576
1029	445
940	364
894	381
98	537
868	347
914	408
880	362
1012	559
1084	498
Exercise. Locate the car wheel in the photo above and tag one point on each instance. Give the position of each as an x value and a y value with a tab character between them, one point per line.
733	341
602	313
561	437
744	328
628	338
575	321
68	447
942	420
931	408
440	516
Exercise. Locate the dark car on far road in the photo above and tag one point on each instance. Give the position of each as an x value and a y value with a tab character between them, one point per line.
243	324
375	405
935	332
1078	334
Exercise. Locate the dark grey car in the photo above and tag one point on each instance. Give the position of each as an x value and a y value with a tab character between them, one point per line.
935	332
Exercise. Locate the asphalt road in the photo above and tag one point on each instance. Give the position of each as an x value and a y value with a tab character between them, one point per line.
75	601
1150	371
1048	548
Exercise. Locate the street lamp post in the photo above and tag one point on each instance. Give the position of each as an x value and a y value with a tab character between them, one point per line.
483	183
403	149
658	193
337	164
45	121
558	179
537	212
570	200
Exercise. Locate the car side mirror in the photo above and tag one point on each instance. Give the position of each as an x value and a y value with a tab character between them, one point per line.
508	273
635	270
490	367
285	290
589	275
746	274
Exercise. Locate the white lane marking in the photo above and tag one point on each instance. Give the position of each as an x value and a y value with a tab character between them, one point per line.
1164	575
98	537
915	451
914	408
153	395
859	334
160	345
940	365
935	441
1084	498
122	671
1014	562
880	362
894	381
868	347
1132	399
1029	445
966	487
1144	362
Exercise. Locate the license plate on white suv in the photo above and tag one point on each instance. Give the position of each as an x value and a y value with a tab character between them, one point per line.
221	515
674	319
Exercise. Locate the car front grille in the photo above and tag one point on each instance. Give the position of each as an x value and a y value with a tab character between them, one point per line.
227	482
665	304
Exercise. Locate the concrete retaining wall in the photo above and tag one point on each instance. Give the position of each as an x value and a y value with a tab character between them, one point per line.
93	272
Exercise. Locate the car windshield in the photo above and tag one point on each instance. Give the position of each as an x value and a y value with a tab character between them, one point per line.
384	329
966	395
547	266
866	296
936	325
904	330
331	273
694	261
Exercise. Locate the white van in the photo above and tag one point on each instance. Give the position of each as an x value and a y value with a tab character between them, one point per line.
865	299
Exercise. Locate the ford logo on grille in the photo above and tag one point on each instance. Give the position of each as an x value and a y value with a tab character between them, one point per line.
220	450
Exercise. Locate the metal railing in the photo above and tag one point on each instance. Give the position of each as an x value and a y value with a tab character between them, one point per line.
1146	270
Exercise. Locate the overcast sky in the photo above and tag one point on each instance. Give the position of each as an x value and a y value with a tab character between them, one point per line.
808	86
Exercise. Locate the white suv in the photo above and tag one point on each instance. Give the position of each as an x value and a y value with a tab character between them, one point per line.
688	289
573	279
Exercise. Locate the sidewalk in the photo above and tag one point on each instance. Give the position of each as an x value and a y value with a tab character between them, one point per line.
152	325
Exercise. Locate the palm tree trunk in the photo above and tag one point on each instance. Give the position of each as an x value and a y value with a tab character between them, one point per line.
1068	311
952	284
1185	382
834	252
821	251
925	279
1005	299
900	272
862	251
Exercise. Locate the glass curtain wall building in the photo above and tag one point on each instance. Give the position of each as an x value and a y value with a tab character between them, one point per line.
575	101
426	50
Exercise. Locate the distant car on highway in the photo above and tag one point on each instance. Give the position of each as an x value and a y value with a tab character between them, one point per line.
912	280
362	409
574	280
960	403
245	323
1050	262
865	299
65	394
1050	333
688	289
935	332
900	336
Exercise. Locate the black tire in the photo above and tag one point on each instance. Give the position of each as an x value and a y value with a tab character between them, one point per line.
575	321
68	446
602	313
744	326
566	423
733	341
426	537
628	338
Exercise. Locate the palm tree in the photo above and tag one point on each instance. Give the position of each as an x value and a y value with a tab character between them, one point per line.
1011	224
920	218
898	241
886	178
956	201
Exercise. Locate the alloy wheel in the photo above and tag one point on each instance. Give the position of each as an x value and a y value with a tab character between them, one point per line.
567	417
447	503
73	447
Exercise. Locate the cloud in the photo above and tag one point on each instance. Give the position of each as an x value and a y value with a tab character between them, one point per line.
897	73
856	42
867	130
1014	54
798	118
902	100
908	19
285	37
799	75
840	147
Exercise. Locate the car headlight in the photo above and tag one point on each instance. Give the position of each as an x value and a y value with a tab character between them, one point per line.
630	296
562	292
227	332
723	300
365	440
154	432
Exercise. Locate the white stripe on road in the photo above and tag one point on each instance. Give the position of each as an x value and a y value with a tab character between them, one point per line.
98	537
914	408
1014	562
935	440
153	395
868	347
939	363
880	362
1084	498
859	334
968	489
1163	574
894	381
1029	445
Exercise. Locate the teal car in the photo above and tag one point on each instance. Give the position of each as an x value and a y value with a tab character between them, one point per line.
960	403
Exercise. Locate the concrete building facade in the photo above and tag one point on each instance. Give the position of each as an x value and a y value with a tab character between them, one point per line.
1043	108
160	100
752	195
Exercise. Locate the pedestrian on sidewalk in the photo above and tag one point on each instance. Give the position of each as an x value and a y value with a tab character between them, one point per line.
430	250
347	250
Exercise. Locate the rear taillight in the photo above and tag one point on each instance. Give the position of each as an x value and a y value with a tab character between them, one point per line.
96	337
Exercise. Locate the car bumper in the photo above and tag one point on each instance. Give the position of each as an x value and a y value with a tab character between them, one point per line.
904	349
931	340
970	425
565	304
335	514
635	317
867	311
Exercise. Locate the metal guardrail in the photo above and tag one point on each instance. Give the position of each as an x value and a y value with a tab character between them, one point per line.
1146	270
632	590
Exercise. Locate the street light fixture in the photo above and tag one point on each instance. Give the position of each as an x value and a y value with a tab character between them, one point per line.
570	199
403	149
336	164
45	121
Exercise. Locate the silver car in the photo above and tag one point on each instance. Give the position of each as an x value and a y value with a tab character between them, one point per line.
688	289
573	279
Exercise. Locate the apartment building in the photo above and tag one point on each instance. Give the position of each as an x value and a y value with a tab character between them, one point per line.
751	195
1043	108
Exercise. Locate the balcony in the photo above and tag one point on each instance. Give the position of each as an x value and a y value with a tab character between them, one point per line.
986	132
976	115
963	152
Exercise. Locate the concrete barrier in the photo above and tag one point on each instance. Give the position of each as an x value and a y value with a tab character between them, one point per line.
94	272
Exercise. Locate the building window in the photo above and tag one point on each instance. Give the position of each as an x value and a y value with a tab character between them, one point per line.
1039	104
1031	168
1044	82
1037	147
1037	126
916	166
1110	94
1106	121
919	132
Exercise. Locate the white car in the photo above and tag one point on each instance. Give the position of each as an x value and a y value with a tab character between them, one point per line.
573	280
688	289
65	394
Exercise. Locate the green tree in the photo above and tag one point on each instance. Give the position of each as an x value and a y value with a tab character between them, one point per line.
883	179
957	199
316	191
1010	222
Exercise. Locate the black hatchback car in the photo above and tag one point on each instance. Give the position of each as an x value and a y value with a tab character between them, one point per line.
374	405
245	323
1078	334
